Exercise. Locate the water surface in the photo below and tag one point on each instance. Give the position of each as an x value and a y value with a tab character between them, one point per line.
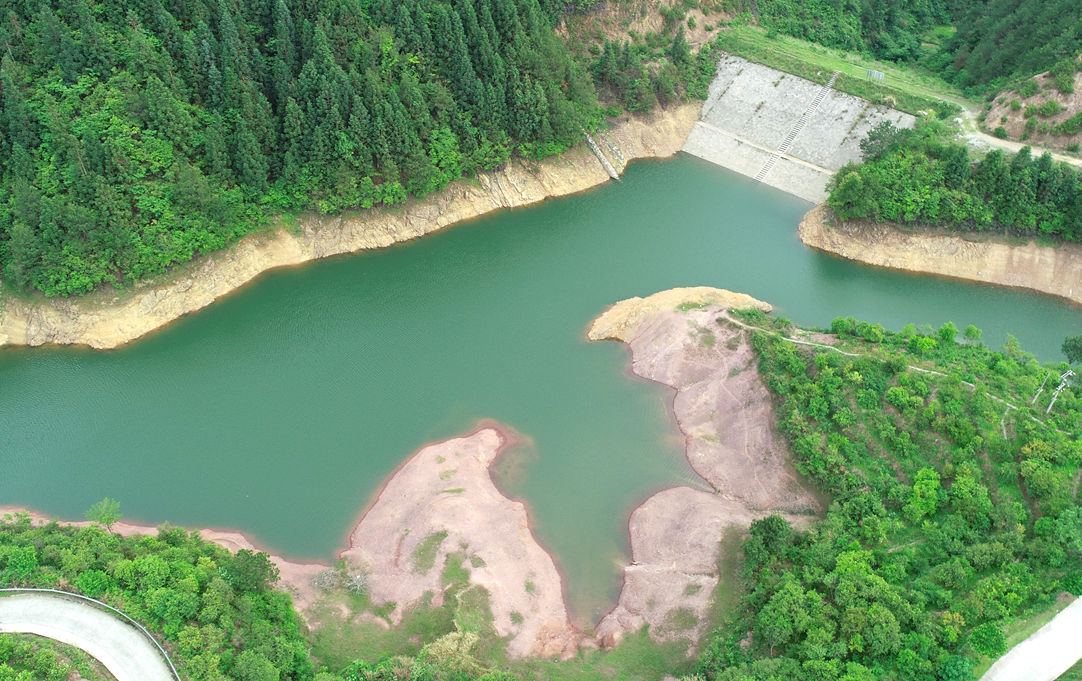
279	410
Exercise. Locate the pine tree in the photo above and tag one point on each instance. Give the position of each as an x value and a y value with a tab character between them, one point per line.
248	160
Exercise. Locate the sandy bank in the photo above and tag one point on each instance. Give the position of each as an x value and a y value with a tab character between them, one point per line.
1056	271
106	320
441	502
727	418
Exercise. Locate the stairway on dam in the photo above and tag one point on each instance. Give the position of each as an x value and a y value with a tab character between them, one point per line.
782	130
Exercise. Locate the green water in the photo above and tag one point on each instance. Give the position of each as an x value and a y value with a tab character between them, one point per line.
279	410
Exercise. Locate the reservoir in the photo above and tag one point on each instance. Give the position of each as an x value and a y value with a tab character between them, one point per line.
279	410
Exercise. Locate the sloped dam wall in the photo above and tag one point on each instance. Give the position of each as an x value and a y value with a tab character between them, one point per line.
782	130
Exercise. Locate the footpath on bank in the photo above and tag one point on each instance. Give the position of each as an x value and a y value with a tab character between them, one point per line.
126	651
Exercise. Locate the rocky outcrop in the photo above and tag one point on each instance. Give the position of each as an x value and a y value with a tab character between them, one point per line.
676	551
681	338
108	319
622	320
442	503
1053	270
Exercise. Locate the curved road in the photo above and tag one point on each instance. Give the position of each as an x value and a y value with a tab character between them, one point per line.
123	649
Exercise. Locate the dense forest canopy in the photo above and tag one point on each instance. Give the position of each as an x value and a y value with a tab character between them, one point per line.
923	176
134	134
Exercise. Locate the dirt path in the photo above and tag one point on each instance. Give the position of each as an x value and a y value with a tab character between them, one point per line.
1045	655
978	139
126	652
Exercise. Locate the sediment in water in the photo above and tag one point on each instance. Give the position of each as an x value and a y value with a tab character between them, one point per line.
1053	270
107	319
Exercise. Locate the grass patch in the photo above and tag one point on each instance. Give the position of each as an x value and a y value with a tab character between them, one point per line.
530	587
681	619
424	556
453	571
638	658
725	601
911	90
692	589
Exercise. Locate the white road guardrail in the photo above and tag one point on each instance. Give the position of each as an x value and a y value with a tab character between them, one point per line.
95	601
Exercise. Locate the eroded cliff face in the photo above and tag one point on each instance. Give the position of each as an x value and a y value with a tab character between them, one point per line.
107	319
682	338
1056	271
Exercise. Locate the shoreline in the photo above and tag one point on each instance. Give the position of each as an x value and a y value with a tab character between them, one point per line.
719	415
556	633
108	318
1052	270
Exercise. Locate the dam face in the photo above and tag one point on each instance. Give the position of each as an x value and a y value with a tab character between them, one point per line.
782	130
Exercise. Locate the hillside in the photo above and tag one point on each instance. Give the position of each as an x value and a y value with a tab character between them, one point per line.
1039	111
955	506
134	138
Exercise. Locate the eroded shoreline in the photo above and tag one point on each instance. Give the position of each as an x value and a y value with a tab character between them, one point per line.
682	338
1055	271
104	320
440	505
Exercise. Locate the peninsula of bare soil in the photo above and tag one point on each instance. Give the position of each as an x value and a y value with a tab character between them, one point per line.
726	416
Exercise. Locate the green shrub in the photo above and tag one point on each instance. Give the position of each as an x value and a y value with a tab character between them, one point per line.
1016	105
1029	88
1000	132
1050	108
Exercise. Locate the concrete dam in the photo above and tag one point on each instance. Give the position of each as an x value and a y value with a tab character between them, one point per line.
782	130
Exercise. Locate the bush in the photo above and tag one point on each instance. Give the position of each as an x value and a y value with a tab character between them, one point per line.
1000	132
1071	126
1030	112
1050	108
1016	105
989	640
1029	88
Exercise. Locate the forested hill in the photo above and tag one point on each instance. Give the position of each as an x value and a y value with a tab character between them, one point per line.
995	41
136	133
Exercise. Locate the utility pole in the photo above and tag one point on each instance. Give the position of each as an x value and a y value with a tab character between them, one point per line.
1062	385
1041	389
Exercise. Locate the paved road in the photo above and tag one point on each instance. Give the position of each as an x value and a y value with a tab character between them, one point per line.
1046	654
124	650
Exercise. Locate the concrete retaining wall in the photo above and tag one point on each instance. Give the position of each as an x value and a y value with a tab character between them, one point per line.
750	111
